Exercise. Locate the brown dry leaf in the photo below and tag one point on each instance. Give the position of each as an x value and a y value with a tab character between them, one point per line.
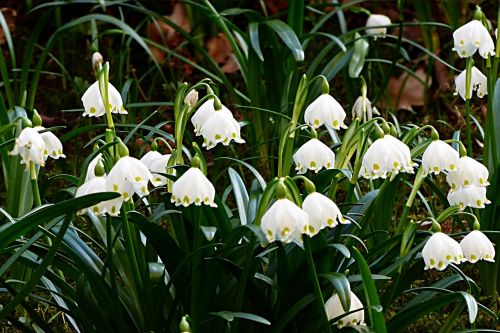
409	89
442	76
220	49
162	33
10	17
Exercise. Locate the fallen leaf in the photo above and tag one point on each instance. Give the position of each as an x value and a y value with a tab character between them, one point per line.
10	17
220	49
162	33
407	91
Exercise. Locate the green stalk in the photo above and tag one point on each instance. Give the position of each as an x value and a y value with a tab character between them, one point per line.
195	278
452	318
468	130
34	185
419	179
316	286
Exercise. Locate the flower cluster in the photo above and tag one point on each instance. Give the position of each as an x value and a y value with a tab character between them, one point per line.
216	126
441	250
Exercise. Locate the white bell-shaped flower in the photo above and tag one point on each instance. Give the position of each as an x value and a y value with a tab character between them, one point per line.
471	37
323	212
91	168
220	127
333	308
97	185
193	187
359	110
478	82
325	110
284	221
439	157
156	163
30	145
94	105
204	112
470	196
441	250
129	175
469	172
477	246
386	155
313	155
374	25
53	146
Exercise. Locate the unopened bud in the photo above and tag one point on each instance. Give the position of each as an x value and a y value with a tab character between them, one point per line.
97	59
184	325
191	98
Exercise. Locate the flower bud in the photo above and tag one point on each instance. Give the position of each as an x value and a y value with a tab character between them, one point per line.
191	98
184	325
97	59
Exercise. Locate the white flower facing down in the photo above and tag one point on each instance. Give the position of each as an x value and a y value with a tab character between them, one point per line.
333	309
384	156
357	109
323	212
325	110
53	146
220	127
441	250
477	246
129	175
377	20
94	105
471	37
156	163
204	112
97	185
469	172
470	196
193	187
284	221
313	155
478	83
30	145
438	157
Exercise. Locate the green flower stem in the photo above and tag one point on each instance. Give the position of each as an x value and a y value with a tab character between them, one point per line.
103	88
34	185
195	260
468	130
132	256
419	179
452	318
316	286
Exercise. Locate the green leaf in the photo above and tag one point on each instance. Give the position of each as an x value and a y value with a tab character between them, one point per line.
288	37
341	284
361	47
253	32
230	316
240	194
376	318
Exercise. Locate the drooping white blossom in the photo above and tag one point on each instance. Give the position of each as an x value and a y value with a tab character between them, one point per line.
220	127
284	221
470	196
476	246
193	187
30	145
53	146
94	105
439	157
471	37
157	164
386	155
358	111
325	110
333	308
313	155
478	83
204	112
97	185
469	172
441	250
129	176
323	212
374	25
